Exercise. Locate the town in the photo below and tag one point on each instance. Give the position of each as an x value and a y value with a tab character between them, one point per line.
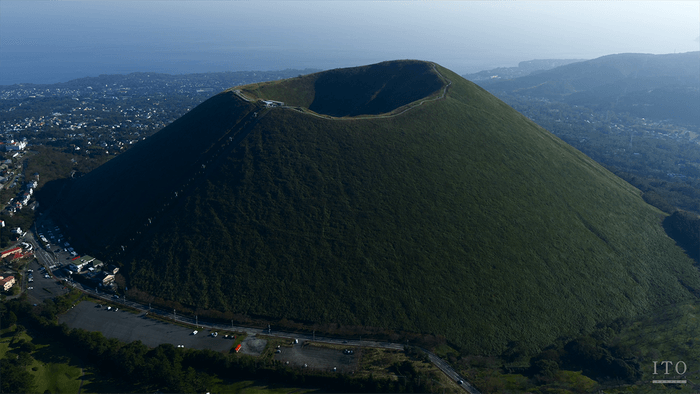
105	115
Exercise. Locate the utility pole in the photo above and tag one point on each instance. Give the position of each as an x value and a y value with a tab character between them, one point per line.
196	321
174	315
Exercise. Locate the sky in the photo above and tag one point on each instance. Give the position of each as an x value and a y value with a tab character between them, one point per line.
55	41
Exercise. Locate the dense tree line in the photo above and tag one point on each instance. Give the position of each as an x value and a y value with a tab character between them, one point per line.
597	355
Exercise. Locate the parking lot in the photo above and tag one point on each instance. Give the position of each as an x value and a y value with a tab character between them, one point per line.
127	327
41	287
319	358
58	249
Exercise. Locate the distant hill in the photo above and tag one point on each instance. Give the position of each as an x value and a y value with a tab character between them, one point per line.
523	69
653	86
370	199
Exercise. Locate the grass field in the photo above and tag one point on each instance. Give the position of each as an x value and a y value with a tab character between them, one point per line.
52	369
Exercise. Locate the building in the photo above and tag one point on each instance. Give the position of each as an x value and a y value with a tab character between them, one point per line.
8	252
7	283
96	278
15	145
271	103
84	260
104	278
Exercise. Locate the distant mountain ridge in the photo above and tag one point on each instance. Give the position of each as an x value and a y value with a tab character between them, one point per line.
459	217
654	86
524	68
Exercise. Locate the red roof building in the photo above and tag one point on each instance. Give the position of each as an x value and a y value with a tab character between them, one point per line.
8	252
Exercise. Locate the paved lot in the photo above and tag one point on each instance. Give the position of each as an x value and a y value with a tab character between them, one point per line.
42	288
253	346
128	327
318	358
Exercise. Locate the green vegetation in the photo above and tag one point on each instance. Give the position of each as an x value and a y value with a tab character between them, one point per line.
644	85
68	360
636	114
617	358
460	218
369	90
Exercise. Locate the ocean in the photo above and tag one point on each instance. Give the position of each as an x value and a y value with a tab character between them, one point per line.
50	42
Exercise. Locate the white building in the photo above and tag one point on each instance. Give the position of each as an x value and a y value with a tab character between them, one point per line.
15	145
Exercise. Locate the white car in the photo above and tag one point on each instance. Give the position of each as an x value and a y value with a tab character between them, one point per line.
30	288
194	332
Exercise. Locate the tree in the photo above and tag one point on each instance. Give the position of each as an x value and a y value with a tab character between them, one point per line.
9	320
16	379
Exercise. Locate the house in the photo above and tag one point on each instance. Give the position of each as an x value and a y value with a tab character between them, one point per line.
7	283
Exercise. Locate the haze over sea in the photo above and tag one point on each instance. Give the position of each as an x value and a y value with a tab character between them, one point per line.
49	42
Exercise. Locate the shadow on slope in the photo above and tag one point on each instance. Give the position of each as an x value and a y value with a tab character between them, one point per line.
374	89
684	228
137	183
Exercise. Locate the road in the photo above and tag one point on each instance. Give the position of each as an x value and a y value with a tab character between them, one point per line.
251	331
45	260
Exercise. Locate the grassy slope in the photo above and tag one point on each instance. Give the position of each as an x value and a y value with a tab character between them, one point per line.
368	90
134	184
461	218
